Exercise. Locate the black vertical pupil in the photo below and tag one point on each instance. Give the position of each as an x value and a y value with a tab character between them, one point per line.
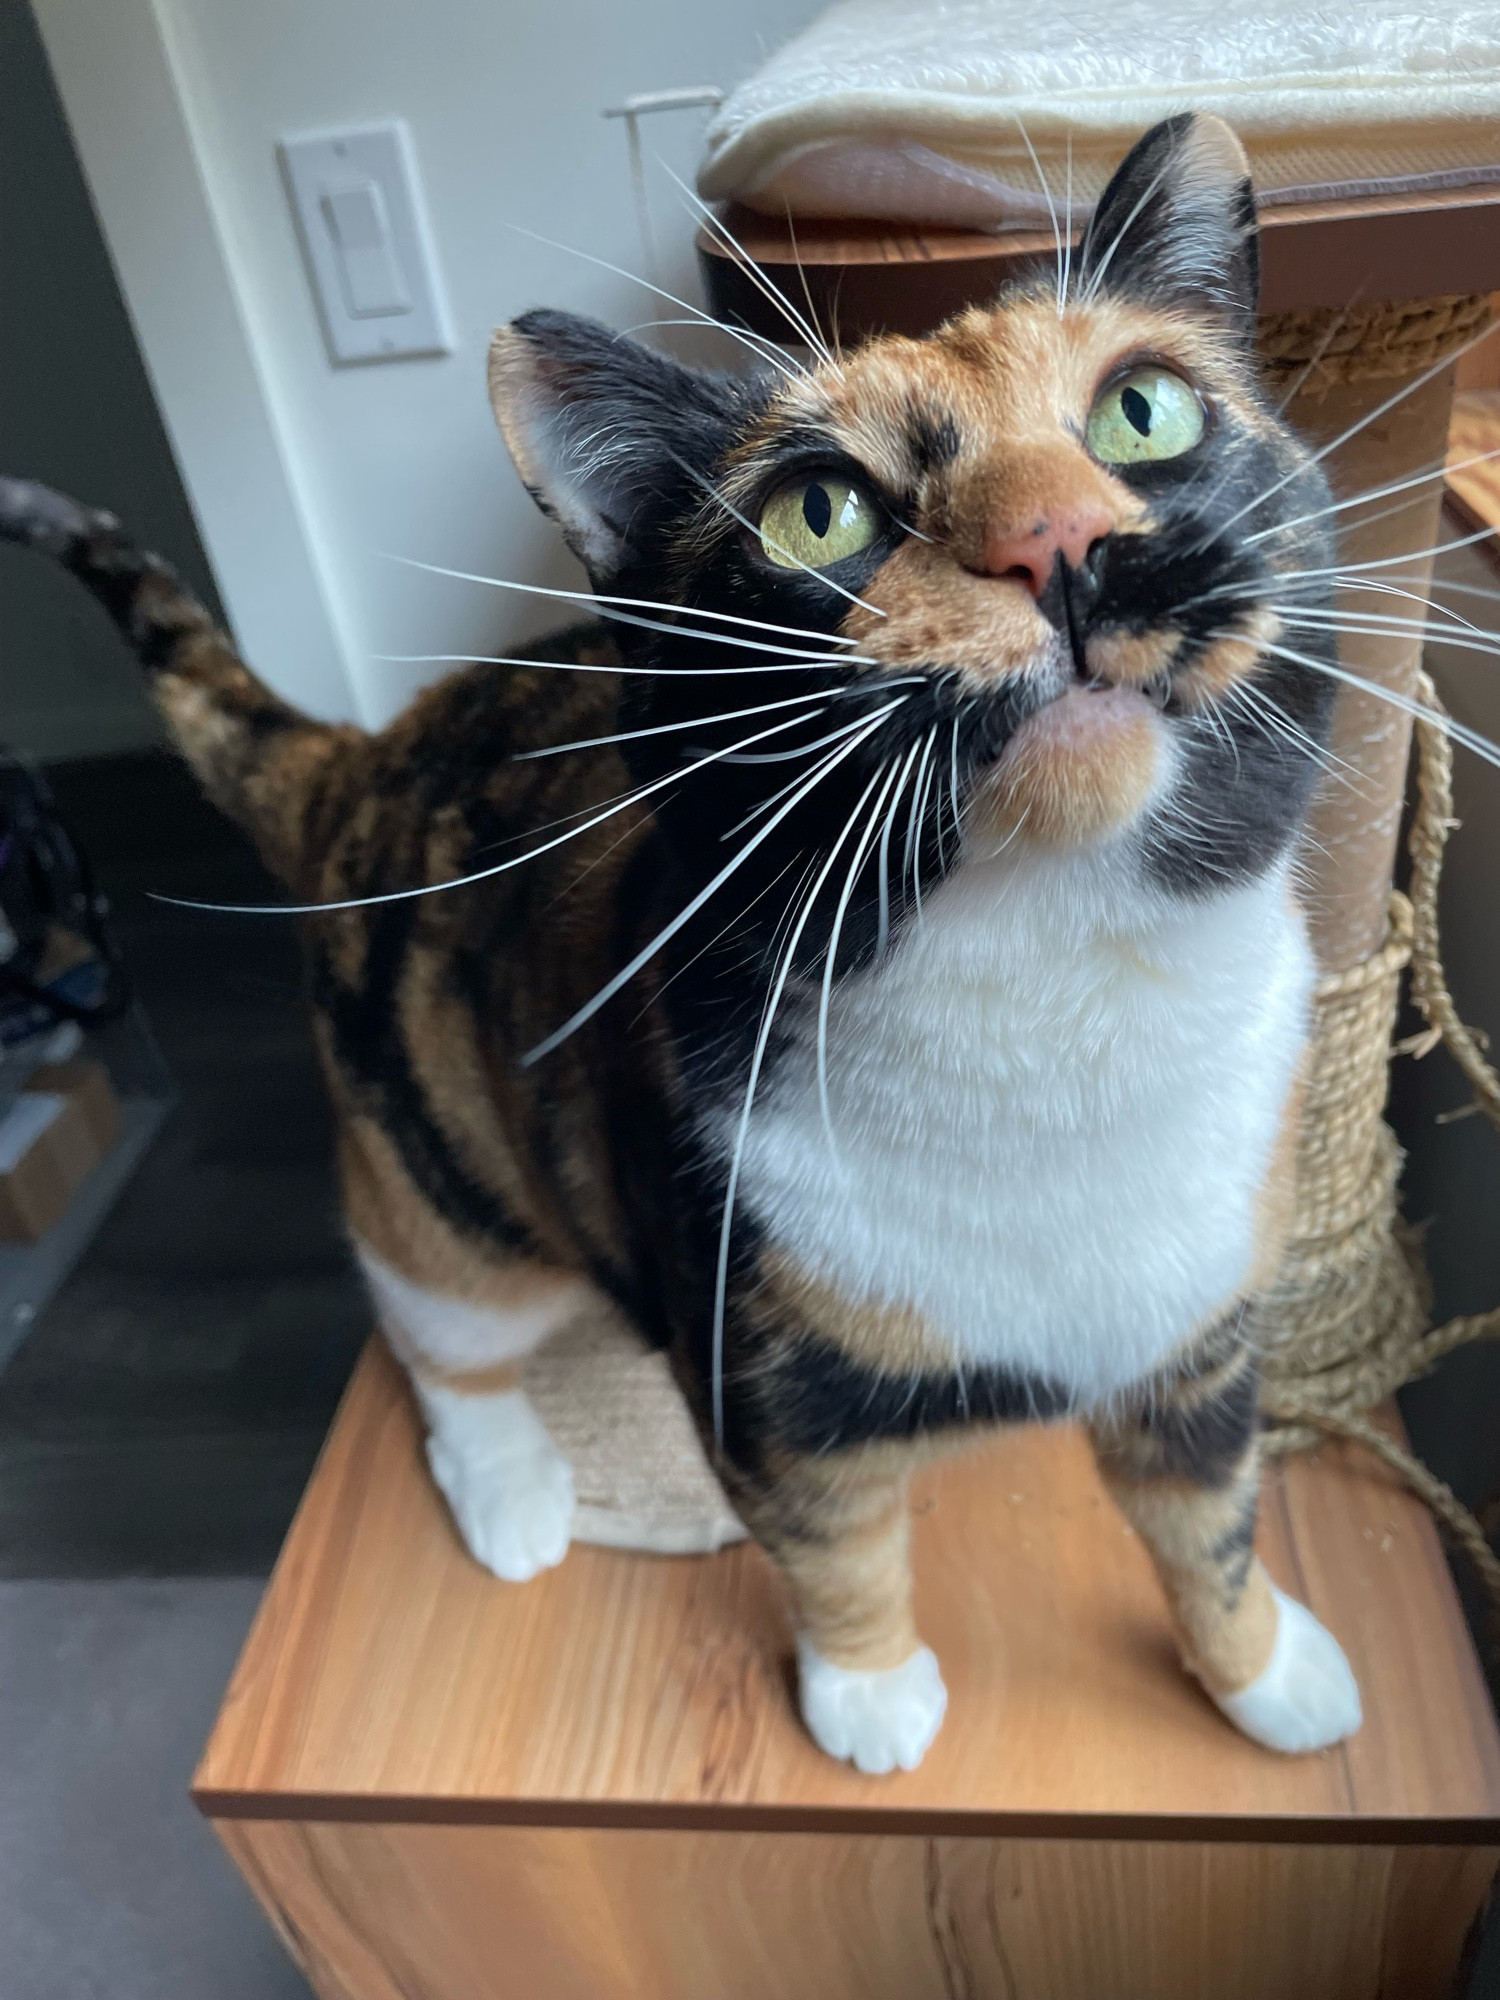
1137	410
817	509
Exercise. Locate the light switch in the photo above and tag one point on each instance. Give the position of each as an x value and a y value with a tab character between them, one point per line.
373	281
364	234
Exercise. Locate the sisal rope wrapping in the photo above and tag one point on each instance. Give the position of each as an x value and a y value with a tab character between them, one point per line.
1330	346
1346	1323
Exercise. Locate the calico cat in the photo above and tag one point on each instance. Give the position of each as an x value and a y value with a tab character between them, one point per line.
872	956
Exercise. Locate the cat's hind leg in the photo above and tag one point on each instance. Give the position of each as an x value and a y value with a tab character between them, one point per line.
1185	1471
508	1486
462	1315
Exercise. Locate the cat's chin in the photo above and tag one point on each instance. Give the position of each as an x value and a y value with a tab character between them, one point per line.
1079	769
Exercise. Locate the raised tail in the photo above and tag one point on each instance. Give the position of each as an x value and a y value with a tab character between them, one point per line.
258	758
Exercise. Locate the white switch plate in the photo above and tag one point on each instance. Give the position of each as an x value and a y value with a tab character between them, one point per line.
365	236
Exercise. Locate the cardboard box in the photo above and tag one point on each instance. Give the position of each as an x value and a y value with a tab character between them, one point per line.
87	1083
47	1150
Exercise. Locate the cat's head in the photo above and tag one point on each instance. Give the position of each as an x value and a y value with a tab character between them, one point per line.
1029	565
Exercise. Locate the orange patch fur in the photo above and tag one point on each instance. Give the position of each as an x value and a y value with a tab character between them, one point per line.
1130	659
840	1529
1229	661
894	1338
388	1216
930	611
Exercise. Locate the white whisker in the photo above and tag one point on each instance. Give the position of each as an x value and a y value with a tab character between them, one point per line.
594	598
953	782
1470	738
1263	713
753	272
736	1160
1354	429
703	722
883	918
802	749
1051	210
835	360
1371	624
861	849
1439	470
1483	590
911	817
1350	575
1335	327
1096	276
919	804
499	867
763	350
663	936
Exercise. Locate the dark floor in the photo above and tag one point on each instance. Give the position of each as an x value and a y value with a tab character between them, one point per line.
111	1886
164	1415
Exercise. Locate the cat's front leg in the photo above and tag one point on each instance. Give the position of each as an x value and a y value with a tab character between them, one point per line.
839	1528
1185	1471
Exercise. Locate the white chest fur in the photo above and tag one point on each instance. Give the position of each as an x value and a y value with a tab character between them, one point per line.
1052	1111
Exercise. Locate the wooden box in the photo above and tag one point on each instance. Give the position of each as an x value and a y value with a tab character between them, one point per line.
595	1786
47	1151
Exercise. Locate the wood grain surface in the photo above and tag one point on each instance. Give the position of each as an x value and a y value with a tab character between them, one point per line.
494	1913
1474	431
388	1677
868	275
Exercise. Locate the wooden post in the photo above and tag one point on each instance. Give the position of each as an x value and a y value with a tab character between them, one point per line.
1352	835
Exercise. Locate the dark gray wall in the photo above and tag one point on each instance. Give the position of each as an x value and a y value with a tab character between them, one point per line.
77	411
1452	1183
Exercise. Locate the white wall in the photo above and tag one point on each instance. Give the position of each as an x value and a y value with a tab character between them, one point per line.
504	103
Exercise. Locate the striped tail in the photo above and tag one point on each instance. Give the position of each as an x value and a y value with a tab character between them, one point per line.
258	758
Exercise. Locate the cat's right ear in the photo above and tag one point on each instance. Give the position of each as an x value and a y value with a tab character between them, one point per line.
605	433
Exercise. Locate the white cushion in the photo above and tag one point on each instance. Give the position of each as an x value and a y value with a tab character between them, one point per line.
922	112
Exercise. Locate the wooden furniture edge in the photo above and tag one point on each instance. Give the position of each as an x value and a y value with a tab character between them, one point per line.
1278	1830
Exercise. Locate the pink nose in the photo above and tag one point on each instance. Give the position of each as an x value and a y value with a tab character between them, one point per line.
1031	555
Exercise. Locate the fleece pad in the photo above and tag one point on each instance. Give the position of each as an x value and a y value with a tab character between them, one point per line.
929	113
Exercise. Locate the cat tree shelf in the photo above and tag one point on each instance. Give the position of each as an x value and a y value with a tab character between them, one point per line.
594	1786
898	278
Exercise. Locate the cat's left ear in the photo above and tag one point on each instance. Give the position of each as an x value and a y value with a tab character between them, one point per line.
1176	226
606	434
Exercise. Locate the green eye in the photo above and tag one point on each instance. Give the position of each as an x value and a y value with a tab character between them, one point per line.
818	521
1149	414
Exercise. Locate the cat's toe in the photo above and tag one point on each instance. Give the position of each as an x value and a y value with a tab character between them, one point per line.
511	1495
878	1722
1307	1696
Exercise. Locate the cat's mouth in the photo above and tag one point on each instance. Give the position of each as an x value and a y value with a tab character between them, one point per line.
1112	661
1082	761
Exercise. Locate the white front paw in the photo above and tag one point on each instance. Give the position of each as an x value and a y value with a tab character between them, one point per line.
877	1721
510	1488
1307	1696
